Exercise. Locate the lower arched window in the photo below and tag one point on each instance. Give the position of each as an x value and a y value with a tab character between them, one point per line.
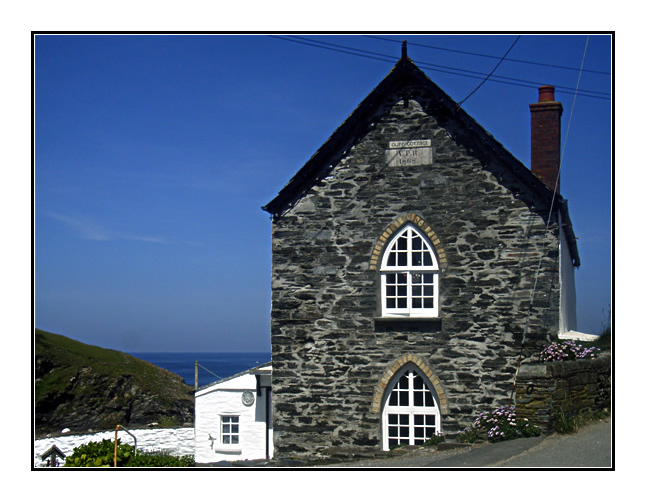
411	414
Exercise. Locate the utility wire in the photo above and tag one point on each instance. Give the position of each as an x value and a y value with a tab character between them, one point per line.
488	55
491	73
345	50
208	370
549	217
434	67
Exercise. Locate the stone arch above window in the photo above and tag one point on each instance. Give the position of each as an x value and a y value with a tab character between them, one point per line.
395	226
410	277
422	365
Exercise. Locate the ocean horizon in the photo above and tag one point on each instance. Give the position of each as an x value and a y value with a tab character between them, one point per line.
212	366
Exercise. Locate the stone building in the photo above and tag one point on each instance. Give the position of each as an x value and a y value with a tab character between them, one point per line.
414	260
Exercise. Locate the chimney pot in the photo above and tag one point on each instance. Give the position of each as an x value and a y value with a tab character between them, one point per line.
546	93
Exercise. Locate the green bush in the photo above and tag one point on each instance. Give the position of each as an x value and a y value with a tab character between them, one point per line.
470	435
569	424
101	454
161	460
435	439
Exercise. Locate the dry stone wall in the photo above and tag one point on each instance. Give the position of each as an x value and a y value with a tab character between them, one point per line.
569	387
330	346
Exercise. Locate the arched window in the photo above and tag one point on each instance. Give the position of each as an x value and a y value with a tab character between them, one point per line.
411	413
409	276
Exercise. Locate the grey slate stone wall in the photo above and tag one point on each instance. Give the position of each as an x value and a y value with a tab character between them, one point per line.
568	387
329	349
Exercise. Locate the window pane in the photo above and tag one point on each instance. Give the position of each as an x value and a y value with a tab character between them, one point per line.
428	399
393	399
418	419
417	279
418	382
226	428
234	429
419	433
403	401
401	303
402	243
234	440
417	303
417	290
417	259
226	439
401	290
428	290
417	242
391	259
390	303
428	261
402	259
390	290
428	303
403	382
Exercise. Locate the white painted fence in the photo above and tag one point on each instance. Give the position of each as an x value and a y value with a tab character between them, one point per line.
176	442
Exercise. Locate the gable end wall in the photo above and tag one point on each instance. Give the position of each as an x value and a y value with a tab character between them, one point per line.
328	357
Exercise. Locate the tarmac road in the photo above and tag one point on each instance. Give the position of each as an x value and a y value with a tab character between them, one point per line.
590	447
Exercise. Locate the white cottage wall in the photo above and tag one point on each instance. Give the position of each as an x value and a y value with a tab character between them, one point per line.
568	321
223	400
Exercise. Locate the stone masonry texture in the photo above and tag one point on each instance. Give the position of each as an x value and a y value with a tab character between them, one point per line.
568	387
331	350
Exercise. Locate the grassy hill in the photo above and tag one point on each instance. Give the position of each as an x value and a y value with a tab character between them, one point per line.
87	388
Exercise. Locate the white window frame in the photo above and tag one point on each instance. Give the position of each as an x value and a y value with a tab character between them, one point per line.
411	283
409	412
230	429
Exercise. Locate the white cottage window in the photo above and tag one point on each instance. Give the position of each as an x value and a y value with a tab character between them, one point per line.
409	276
411	414
230	430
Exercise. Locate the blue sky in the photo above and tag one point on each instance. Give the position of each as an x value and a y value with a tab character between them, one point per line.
154	155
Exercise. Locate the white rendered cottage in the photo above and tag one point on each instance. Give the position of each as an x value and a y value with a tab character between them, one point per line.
233	418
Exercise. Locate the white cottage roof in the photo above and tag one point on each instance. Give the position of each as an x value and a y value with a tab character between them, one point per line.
236	381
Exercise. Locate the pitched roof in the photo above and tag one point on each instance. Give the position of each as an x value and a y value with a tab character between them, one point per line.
263	369
402	77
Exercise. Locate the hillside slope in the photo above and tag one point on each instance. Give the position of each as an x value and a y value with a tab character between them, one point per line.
87	388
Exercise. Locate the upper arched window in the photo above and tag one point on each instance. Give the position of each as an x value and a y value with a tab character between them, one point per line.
409	276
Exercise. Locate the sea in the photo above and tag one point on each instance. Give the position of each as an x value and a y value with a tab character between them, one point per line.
212	366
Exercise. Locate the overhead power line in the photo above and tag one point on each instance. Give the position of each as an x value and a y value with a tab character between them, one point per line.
491	73
547	65
434	67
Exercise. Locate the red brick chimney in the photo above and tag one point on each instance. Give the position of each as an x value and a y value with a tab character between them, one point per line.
546	137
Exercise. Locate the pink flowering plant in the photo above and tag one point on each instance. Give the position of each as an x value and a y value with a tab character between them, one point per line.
567	351
499	425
